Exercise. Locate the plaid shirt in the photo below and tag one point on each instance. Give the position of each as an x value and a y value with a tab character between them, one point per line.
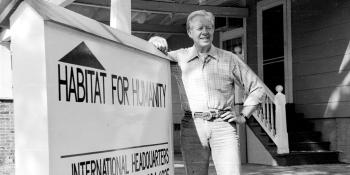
209	84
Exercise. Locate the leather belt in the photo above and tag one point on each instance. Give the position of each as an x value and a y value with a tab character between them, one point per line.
208	115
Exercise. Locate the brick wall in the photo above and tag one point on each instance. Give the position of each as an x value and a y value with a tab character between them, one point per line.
7	140
337	131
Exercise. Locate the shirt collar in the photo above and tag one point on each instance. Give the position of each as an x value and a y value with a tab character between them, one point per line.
193	54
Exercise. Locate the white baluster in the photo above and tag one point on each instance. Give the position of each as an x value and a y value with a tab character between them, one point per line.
272	122
281	125
264	110
268	124
267	113
273	119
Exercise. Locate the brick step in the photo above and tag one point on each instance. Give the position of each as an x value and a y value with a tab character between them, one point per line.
307	157
295	126
296	119
304	136
306	145
293	116
309	146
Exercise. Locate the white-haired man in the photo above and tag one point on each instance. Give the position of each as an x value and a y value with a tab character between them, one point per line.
206	77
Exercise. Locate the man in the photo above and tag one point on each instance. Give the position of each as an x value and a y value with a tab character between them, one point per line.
206	77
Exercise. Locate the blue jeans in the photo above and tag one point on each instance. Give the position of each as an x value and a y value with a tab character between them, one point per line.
201	139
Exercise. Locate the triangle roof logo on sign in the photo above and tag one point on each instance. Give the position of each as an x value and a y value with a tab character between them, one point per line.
82	56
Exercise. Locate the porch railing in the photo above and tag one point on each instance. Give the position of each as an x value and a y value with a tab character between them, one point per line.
272	117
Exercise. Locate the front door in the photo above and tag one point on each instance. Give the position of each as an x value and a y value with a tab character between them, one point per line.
274	53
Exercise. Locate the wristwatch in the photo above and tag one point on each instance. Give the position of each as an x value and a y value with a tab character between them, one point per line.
244	116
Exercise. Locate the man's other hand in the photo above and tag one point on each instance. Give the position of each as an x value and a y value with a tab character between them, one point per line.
232	117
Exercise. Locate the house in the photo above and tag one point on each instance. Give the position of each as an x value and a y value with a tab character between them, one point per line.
299	44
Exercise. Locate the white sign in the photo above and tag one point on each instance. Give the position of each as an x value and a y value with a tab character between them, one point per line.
110	106
5	72
106	106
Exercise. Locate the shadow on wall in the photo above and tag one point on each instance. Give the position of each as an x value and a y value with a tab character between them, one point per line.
338	107
342	92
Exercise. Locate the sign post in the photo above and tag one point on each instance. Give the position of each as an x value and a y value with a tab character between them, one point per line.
88	99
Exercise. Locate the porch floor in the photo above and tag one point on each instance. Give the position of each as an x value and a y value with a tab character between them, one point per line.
254	169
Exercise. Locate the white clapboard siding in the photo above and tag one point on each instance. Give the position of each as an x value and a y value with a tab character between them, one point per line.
325	110
339	15
320	66
332	79
322	35
321	47
323	95
322	50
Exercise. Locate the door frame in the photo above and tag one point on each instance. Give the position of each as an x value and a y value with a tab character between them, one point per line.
232	34
288	62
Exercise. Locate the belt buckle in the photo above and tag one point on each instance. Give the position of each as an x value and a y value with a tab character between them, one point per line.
207	115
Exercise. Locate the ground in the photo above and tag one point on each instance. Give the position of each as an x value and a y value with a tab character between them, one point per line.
253	169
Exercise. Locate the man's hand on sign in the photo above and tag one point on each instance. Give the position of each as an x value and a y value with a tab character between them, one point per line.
160	43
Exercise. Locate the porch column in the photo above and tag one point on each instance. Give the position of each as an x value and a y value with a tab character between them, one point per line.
121	15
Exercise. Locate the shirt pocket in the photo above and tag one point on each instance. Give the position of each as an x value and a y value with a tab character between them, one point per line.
220	84
222	81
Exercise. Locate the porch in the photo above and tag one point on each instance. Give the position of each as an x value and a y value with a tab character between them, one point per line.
256	169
